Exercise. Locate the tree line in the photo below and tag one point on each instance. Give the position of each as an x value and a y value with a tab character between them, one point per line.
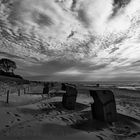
7	68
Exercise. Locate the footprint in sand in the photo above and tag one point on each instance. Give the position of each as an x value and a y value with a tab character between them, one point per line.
18	120
17	115
28	125
7	126
21	127
101	138
133	135
12	122
138	133
103	135
8	113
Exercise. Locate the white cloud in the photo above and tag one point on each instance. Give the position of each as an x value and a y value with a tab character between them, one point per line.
47	30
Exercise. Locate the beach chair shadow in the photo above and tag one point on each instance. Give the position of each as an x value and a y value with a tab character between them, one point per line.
91	125
78	107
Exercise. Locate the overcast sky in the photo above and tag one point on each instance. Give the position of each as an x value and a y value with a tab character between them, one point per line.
72	39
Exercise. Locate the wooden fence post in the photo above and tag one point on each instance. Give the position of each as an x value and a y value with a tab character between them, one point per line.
7	99
18	92
28	89
24	90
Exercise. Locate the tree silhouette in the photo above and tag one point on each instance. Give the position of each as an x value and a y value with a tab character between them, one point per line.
7	65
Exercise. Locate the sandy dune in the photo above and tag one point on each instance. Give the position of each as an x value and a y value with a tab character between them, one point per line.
31	116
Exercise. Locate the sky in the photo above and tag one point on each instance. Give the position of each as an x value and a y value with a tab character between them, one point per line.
86	40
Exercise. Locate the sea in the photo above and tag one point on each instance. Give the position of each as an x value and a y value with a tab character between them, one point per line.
134	85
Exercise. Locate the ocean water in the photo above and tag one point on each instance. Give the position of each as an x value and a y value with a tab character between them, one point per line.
134	85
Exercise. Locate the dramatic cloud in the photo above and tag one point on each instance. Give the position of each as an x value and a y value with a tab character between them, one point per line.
72	39
119	6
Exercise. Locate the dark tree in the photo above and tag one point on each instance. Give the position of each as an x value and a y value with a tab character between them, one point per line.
7	65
